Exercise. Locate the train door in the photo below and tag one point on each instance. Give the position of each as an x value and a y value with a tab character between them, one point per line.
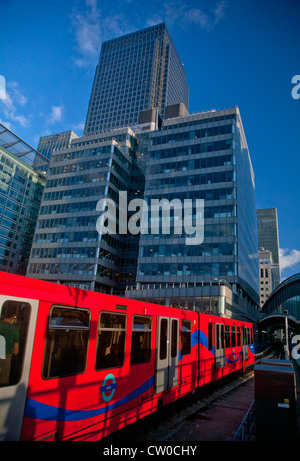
166	374
244	343
17	327
219	346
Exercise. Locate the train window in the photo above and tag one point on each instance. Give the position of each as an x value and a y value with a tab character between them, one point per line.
227	336
111	340
222	336
248	336
163	339
174	338
238	337
245	338
210	336
233	340
66	342
141	340
14	322
185	337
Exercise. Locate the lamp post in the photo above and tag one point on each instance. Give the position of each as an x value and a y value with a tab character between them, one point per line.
287	352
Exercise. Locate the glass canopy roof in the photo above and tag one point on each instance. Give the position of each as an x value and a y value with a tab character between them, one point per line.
21	149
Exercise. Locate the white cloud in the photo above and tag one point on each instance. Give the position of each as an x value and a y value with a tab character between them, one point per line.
87	32
7	124
91	27
14	98
56	114
16	93
219	11
183	15
288	258
78	128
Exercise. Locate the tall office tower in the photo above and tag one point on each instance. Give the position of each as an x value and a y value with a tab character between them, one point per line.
69	247
138	71
201	156
268	236
48	144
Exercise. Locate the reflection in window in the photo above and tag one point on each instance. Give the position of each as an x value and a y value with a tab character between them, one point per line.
227	336
163	339
14	322
185	337
66	342
233	342
111	340
174	338
141	340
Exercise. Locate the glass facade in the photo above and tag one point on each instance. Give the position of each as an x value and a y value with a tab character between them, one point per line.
268	238
67	246
202	156
47	144
135	72
21	191
268	231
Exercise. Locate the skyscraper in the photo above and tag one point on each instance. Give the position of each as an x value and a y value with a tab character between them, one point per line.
268	237
138	71
201	156
268	231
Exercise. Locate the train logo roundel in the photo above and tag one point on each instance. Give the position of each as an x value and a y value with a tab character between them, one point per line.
108	387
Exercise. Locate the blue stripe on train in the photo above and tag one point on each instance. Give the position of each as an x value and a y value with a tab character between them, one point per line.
39	410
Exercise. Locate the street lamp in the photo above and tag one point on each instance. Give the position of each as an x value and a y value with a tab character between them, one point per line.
287	352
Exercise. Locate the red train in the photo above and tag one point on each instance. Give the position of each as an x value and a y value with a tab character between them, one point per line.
89	364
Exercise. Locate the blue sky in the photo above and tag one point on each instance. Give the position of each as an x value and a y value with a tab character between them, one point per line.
236	53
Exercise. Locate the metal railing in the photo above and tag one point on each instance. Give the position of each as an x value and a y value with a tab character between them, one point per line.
166	285
247	427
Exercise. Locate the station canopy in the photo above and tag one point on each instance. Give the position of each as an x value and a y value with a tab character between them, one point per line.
283	301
